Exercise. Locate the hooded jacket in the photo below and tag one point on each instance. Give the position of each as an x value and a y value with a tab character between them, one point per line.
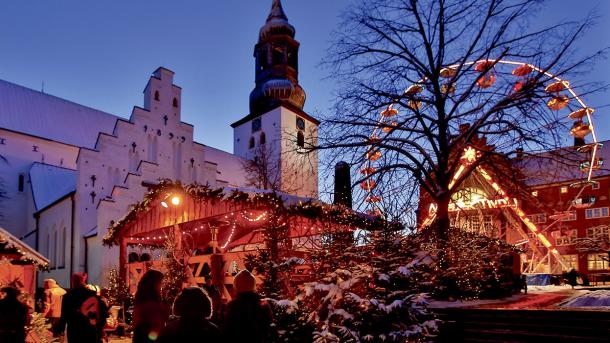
53	297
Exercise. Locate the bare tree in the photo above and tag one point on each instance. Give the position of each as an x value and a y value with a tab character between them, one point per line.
263	170
420	81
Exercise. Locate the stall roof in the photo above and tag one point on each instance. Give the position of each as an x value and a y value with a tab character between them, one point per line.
8	242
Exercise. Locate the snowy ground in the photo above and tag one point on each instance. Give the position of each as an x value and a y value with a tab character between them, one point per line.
539	297
597	299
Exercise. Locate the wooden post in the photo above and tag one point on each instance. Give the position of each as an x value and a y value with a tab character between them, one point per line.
123	259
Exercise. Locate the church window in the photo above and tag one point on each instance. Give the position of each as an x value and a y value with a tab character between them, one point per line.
300	139
262	139
61	251
157	95
256	125
278	56
251	143
293	59
21	184
175	102
2	141
300	123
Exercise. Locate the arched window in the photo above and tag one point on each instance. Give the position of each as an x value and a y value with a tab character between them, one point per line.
251	143
300	139
262	139
175	102
157	95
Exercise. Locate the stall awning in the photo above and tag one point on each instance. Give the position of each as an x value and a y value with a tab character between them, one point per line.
11	245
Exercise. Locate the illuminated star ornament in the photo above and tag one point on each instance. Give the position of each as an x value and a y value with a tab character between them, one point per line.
470	154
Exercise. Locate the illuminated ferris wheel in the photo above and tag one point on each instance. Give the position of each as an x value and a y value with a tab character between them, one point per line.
561	97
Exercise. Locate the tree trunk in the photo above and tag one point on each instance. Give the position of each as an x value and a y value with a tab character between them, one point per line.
441	228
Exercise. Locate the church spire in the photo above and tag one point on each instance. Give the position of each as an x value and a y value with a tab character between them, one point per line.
276	55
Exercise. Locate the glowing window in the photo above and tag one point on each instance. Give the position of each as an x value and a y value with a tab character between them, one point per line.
596	262
564	190
535	193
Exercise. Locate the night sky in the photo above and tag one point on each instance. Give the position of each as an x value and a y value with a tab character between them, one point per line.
101	53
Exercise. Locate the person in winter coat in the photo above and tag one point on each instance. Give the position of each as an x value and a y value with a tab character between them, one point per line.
571	277
149	313
193	307
248	318
83	312
53	295
13	316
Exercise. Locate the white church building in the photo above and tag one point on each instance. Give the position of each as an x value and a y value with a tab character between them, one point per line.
69	171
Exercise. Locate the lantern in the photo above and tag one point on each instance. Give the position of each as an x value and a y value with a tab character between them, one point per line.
373	155
414	89
373	199
581	113
414	105
448	73
367	171
368	185
522	70
583	202
557	87
389	112
586	165
580	129
448	88
558	102
391	126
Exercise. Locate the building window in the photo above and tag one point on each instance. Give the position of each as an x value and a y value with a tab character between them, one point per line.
175	102
156	95
599	212
570	218
21	185
601	232
596	262
571	261
251	143
300	123
564	190
538	218
595	185
262	139
300	139
256	125
535	193
61	251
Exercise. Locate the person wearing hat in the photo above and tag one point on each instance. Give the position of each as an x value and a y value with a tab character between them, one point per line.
53	295
248	318
192	309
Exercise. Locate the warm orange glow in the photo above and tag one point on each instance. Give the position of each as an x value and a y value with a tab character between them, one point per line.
175	200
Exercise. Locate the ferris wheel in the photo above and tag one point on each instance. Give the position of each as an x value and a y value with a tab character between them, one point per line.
561	97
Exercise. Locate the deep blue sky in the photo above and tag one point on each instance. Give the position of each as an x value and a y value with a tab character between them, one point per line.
100	53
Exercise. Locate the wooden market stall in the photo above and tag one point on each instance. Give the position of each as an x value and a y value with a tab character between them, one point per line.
19	263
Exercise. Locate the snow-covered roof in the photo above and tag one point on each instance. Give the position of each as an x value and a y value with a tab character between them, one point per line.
230	167
11	242
289	199
50	183
561	165
43	115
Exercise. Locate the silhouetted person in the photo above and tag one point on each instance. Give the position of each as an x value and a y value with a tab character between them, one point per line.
53	295
216	298
248	318
149	313
571	277
83	312
193	308
13	316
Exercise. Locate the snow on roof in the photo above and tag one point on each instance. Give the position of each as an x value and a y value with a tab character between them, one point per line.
43	115
288	199
50	183
11	242
231	167
561	165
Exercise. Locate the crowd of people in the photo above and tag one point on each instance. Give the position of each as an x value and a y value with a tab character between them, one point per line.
197	314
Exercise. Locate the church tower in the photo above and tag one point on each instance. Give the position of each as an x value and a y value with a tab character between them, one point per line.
277	130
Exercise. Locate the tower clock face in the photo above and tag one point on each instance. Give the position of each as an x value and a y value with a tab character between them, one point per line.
300	123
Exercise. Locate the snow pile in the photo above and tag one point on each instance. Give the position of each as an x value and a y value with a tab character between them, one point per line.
599	298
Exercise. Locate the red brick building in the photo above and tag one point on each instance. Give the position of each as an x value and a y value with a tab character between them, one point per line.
558	218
